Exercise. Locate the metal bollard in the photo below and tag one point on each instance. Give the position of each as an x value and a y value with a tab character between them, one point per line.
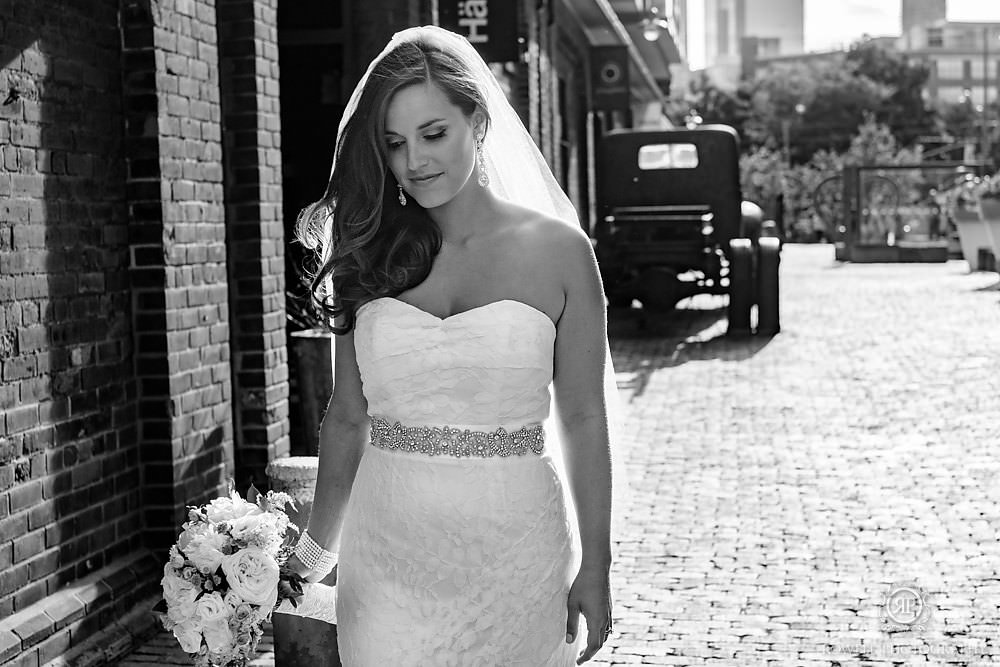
987	261
769	258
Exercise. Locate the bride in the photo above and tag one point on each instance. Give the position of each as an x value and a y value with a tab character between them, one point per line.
461	287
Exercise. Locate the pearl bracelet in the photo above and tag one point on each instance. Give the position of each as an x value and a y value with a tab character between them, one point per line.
313	556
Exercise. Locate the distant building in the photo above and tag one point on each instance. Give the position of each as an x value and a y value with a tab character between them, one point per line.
751	63
758	28
920	13
964	59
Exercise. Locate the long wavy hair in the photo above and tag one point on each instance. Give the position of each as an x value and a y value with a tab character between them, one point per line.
365	243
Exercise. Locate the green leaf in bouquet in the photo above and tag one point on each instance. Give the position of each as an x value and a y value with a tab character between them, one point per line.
290	587
254	496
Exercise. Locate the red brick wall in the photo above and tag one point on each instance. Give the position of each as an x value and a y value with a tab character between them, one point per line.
69	474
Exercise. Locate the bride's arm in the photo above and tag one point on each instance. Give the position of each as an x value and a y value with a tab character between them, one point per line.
582	419
578	383
342	438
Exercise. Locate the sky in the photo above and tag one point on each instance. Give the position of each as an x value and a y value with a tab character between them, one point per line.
832	24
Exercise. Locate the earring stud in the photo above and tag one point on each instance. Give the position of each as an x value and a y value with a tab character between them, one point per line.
402	197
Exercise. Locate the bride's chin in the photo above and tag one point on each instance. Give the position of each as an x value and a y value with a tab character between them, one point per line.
434	200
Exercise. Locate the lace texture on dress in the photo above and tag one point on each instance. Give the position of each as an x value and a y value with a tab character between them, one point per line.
455	561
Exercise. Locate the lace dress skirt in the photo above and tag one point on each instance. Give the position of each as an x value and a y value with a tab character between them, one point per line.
455	561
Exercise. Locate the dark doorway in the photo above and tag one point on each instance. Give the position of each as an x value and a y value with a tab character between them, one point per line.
312	43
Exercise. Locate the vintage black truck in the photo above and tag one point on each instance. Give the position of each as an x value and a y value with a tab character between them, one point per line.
671	223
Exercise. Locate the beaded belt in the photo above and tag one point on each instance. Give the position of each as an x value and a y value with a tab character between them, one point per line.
434	440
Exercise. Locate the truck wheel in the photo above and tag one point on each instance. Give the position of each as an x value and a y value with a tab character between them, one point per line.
741	287
769	257
619	296
620	301
659	289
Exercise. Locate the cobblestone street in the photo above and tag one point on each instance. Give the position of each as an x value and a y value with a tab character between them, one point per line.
784	488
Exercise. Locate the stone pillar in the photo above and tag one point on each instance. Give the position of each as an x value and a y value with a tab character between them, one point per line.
296	476
300	640
248	61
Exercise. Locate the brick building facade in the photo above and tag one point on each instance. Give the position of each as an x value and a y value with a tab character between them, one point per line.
141	298
147	191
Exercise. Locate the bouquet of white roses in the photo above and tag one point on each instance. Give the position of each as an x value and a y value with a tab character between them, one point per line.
226	574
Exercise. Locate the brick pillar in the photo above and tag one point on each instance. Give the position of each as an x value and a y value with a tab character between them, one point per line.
248	53
178	257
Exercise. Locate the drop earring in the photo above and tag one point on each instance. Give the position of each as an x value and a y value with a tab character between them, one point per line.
484	179
402	197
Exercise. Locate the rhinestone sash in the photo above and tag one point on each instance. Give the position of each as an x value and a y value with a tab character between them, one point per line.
435	440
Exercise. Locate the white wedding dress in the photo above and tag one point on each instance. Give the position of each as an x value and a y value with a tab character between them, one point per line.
449	560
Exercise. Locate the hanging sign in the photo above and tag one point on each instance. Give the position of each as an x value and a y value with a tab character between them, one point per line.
609	78
490	25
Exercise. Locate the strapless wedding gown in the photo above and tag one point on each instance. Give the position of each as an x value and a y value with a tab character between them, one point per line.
455	560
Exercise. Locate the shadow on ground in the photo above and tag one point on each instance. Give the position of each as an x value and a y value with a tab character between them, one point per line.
992	287
688	333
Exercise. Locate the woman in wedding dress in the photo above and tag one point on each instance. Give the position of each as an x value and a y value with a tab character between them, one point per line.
461	287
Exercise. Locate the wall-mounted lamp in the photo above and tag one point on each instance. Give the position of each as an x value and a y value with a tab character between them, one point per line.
653	24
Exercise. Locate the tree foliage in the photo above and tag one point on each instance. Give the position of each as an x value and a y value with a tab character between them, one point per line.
840	103
820	104
959	120
712	104
903	109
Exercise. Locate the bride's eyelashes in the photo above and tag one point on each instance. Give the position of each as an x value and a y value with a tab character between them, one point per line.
393	145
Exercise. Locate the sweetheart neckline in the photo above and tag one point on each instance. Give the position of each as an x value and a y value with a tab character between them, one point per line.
442	320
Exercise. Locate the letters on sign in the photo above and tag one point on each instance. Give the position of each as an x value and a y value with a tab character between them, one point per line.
473	15
489	25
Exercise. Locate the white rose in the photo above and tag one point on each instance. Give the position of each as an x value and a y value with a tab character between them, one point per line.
241	528
219	637
244	615
181	597
191	534
189	636
233	600
227	509
176	559
206	551
266	530
253	575
212	609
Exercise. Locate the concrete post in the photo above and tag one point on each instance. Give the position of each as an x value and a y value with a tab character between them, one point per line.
299	640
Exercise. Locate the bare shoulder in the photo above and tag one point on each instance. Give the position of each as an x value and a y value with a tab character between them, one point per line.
552	263
546	241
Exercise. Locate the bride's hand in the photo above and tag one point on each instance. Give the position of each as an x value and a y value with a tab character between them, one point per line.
590	595
293	564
